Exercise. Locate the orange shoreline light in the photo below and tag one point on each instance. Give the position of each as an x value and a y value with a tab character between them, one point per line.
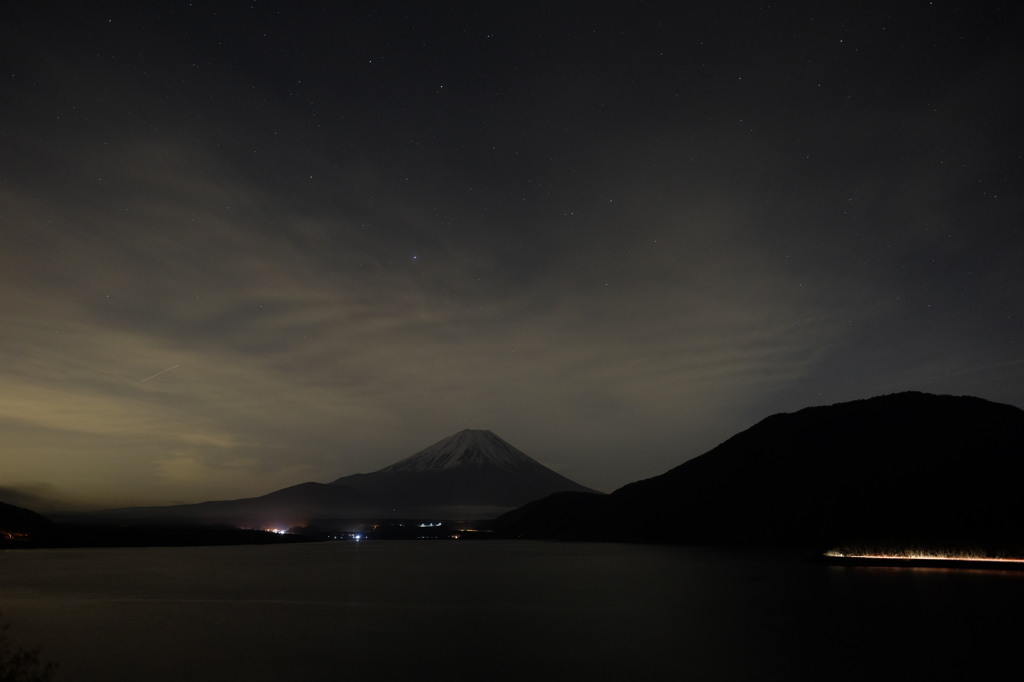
921	557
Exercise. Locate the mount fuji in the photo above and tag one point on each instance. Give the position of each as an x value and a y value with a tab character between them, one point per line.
470	475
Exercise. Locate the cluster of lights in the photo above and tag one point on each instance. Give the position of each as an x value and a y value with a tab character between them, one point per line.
12	535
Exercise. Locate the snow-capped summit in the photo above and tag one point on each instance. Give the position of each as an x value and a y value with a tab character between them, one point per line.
468	448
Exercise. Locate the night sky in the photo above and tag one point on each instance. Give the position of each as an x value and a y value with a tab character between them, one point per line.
245	245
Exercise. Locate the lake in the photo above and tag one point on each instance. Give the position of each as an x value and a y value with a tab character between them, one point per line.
500	610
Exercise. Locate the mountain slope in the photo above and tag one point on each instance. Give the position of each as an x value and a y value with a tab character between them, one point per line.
470	469
19	524
472	474
901	468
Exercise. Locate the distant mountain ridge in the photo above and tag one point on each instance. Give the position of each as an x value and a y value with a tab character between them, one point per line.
895	469
472	474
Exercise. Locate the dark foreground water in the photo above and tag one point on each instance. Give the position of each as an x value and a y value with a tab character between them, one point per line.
500	611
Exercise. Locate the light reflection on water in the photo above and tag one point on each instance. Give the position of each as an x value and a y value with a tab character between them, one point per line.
494	610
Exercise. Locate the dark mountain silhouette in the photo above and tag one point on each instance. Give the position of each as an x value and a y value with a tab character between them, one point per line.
18	524
908	468
472	474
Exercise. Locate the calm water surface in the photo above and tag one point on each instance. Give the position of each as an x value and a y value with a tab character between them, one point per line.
494	610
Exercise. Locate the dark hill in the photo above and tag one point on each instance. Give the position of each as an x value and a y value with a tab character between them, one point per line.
18	524
908	468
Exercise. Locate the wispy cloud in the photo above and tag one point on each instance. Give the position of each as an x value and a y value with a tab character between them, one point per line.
197	323
213	286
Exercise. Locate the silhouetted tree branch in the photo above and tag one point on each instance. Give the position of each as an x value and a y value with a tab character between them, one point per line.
19	664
